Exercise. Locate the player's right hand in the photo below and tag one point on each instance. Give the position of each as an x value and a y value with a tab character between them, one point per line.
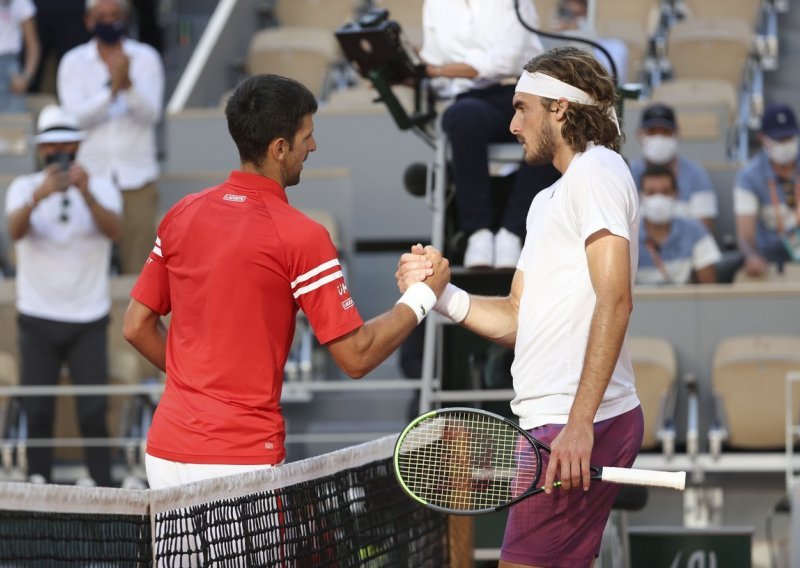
413	267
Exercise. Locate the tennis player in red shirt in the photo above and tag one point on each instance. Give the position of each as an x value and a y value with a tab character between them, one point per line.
232	265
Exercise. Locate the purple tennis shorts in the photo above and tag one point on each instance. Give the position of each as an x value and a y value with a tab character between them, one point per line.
564	529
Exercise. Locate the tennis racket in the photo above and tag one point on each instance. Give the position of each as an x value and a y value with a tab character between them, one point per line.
469	461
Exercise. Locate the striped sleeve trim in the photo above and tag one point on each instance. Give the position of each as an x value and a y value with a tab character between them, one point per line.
317	284
313	272
325	273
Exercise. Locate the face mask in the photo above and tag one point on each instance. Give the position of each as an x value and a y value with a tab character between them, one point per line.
109	33
64	159
659	149
657	208
784	152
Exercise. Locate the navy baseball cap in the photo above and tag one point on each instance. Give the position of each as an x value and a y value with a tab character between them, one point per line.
659	115
779	122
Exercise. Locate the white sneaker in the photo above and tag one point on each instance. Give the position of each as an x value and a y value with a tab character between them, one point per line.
480	249
37	479
133	482
507	248
86	482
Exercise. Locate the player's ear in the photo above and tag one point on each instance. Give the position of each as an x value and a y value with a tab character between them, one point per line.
560	108
278	149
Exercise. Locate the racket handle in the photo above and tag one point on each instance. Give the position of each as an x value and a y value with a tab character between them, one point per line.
646	477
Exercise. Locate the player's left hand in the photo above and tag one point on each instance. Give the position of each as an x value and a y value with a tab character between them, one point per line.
570	453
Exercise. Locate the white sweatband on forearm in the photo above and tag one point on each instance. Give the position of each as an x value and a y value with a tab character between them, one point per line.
420	298
453	303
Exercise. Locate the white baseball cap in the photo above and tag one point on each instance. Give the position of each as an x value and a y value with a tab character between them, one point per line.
56	125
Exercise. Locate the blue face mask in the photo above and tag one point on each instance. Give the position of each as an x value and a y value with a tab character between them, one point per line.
110	33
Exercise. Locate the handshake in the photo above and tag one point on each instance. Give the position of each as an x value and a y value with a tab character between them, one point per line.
423	278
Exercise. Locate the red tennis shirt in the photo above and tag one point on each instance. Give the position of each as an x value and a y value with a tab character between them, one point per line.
233	264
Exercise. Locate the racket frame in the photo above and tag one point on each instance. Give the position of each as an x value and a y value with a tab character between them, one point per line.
536	445
647	478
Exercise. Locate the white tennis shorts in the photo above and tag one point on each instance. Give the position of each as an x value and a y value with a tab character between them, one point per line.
164	473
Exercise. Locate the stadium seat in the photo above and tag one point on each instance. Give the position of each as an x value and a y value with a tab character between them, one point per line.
636	40
547	10
306	54
745	10
644	13
655	368
748	381
324	14
710	48
699	92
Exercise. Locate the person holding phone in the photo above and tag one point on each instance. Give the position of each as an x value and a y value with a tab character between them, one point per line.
62	222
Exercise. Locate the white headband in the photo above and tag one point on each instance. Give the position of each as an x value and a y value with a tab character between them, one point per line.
549	87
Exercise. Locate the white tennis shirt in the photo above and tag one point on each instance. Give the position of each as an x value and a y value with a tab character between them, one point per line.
596	192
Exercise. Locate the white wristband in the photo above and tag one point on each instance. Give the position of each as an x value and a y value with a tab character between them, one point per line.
453	303
420	298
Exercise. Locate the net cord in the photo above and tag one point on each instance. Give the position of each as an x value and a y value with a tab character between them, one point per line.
18	496
242	484
71	499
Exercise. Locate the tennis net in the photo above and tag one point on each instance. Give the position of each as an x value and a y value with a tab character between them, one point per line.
340	509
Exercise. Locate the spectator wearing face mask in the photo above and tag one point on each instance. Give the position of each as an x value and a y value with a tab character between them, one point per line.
766	195
658	136
114	86
672	250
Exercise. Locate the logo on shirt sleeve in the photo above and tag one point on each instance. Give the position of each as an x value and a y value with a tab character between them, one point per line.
157	247
232	197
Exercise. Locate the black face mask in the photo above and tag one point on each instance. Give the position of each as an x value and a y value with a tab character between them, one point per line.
110	33
64	159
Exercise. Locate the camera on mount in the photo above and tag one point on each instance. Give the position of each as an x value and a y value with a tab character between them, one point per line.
376	47
374	43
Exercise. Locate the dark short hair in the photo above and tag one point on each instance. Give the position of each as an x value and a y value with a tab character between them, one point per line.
659	170
263	108
582	123
659	115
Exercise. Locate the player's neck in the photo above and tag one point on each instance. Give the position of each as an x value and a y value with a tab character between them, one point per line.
563	157
264	171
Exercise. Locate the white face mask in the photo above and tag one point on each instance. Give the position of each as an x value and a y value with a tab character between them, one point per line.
782	152
657	208
659	149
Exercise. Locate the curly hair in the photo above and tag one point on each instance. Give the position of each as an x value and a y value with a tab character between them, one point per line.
582	123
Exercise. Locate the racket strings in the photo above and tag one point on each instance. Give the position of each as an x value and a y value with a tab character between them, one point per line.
466	461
